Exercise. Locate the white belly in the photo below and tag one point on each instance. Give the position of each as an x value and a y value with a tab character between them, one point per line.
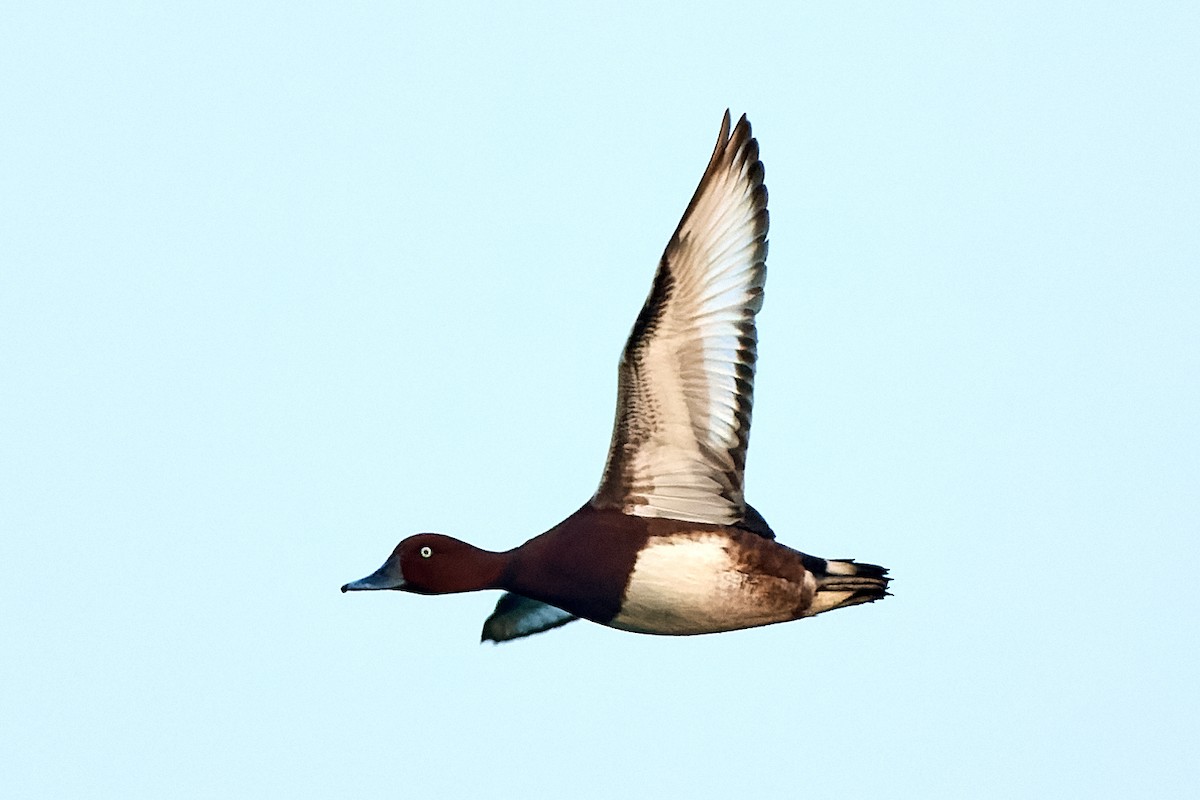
688	584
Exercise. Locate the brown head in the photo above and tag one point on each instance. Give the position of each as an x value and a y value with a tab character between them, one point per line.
430	563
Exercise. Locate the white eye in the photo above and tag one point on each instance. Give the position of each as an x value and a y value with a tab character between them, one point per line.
426	551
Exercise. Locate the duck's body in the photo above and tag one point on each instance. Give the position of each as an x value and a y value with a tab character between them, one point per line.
667	576
667	545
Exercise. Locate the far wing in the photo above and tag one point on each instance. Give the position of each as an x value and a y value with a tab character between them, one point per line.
516	616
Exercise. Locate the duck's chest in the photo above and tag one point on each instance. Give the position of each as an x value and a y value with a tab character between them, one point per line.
707	582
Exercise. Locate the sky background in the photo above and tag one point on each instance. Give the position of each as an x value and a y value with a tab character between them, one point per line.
283	283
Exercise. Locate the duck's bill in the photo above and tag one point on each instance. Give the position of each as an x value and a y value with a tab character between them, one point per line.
382	578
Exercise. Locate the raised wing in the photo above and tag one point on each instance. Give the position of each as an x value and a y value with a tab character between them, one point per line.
687	373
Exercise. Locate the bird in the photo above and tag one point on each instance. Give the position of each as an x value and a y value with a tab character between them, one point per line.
667	544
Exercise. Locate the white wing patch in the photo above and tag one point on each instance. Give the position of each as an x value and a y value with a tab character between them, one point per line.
687	372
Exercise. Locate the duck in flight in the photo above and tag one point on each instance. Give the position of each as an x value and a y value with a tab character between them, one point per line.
668	543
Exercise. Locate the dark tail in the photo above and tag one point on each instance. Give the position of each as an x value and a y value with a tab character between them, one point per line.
843	583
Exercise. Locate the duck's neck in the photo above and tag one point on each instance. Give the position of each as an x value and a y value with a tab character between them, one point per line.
476	569
492	568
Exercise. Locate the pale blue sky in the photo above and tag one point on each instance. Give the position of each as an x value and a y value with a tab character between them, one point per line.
280	285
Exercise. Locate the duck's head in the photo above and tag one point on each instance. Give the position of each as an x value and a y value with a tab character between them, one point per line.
430	563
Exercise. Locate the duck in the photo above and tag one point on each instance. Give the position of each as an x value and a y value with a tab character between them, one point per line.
668	544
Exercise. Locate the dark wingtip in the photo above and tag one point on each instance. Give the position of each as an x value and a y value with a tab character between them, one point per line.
345	588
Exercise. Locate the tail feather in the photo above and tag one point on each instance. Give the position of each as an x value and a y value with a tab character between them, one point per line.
844	582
